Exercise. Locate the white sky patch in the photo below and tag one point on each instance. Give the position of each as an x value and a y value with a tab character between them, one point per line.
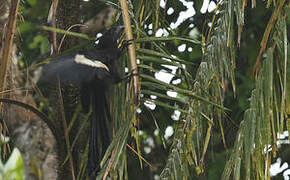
264	55
283	135
172	55
183	66
177	81
285	141
150	26
211	6
126	69
164	76
4	138
140	132
175	116
156	132
267	148
181	48
166	59
276	168
204	6
162	3
159	33
208	6
97	36
184	15
170	11
139	110
153	97
147	150
171	93
282	139
286	174
189	49
209	24
191	26
172	25
138	61
156	177
194	33
168	132
150	105
150	32
280	142
165	32
150	142
173	68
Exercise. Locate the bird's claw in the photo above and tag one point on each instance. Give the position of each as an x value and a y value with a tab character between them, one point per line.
125	44
128	77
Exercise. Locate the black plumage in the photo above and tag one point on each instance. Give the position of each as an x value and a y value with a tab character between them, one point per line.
92	70
84	65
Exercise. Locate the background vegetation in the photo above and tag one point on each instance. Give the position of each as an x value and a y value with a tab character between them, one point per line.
221	114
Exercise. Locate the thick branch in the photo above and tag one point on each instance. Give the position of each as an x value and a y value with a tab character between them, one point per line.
131	47
8	41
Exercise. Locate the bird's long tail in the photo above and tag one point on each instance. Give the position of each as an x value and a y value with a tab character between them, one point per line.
99	131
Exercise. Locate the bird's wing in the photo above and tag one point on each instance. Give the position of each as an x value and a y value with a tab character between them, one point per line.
74	68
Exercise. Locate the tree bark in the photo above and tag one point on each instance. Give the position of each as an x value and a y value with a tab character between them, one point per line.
28	132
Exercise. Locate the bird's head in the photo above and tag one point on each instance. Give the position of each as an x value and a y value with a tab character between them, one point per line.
110	38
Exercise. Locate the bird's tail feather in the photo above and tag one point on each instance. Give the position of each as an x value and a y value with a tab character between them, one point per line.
99	131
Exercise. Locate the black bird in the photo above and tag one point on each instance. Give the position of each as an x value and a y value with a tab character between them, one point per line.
92	70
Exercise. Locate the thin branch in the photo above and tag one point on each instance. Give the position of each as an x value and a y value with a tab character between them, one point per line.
266	35
63	37
66	135
35	111
53	23
61	31
111	160
132	149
